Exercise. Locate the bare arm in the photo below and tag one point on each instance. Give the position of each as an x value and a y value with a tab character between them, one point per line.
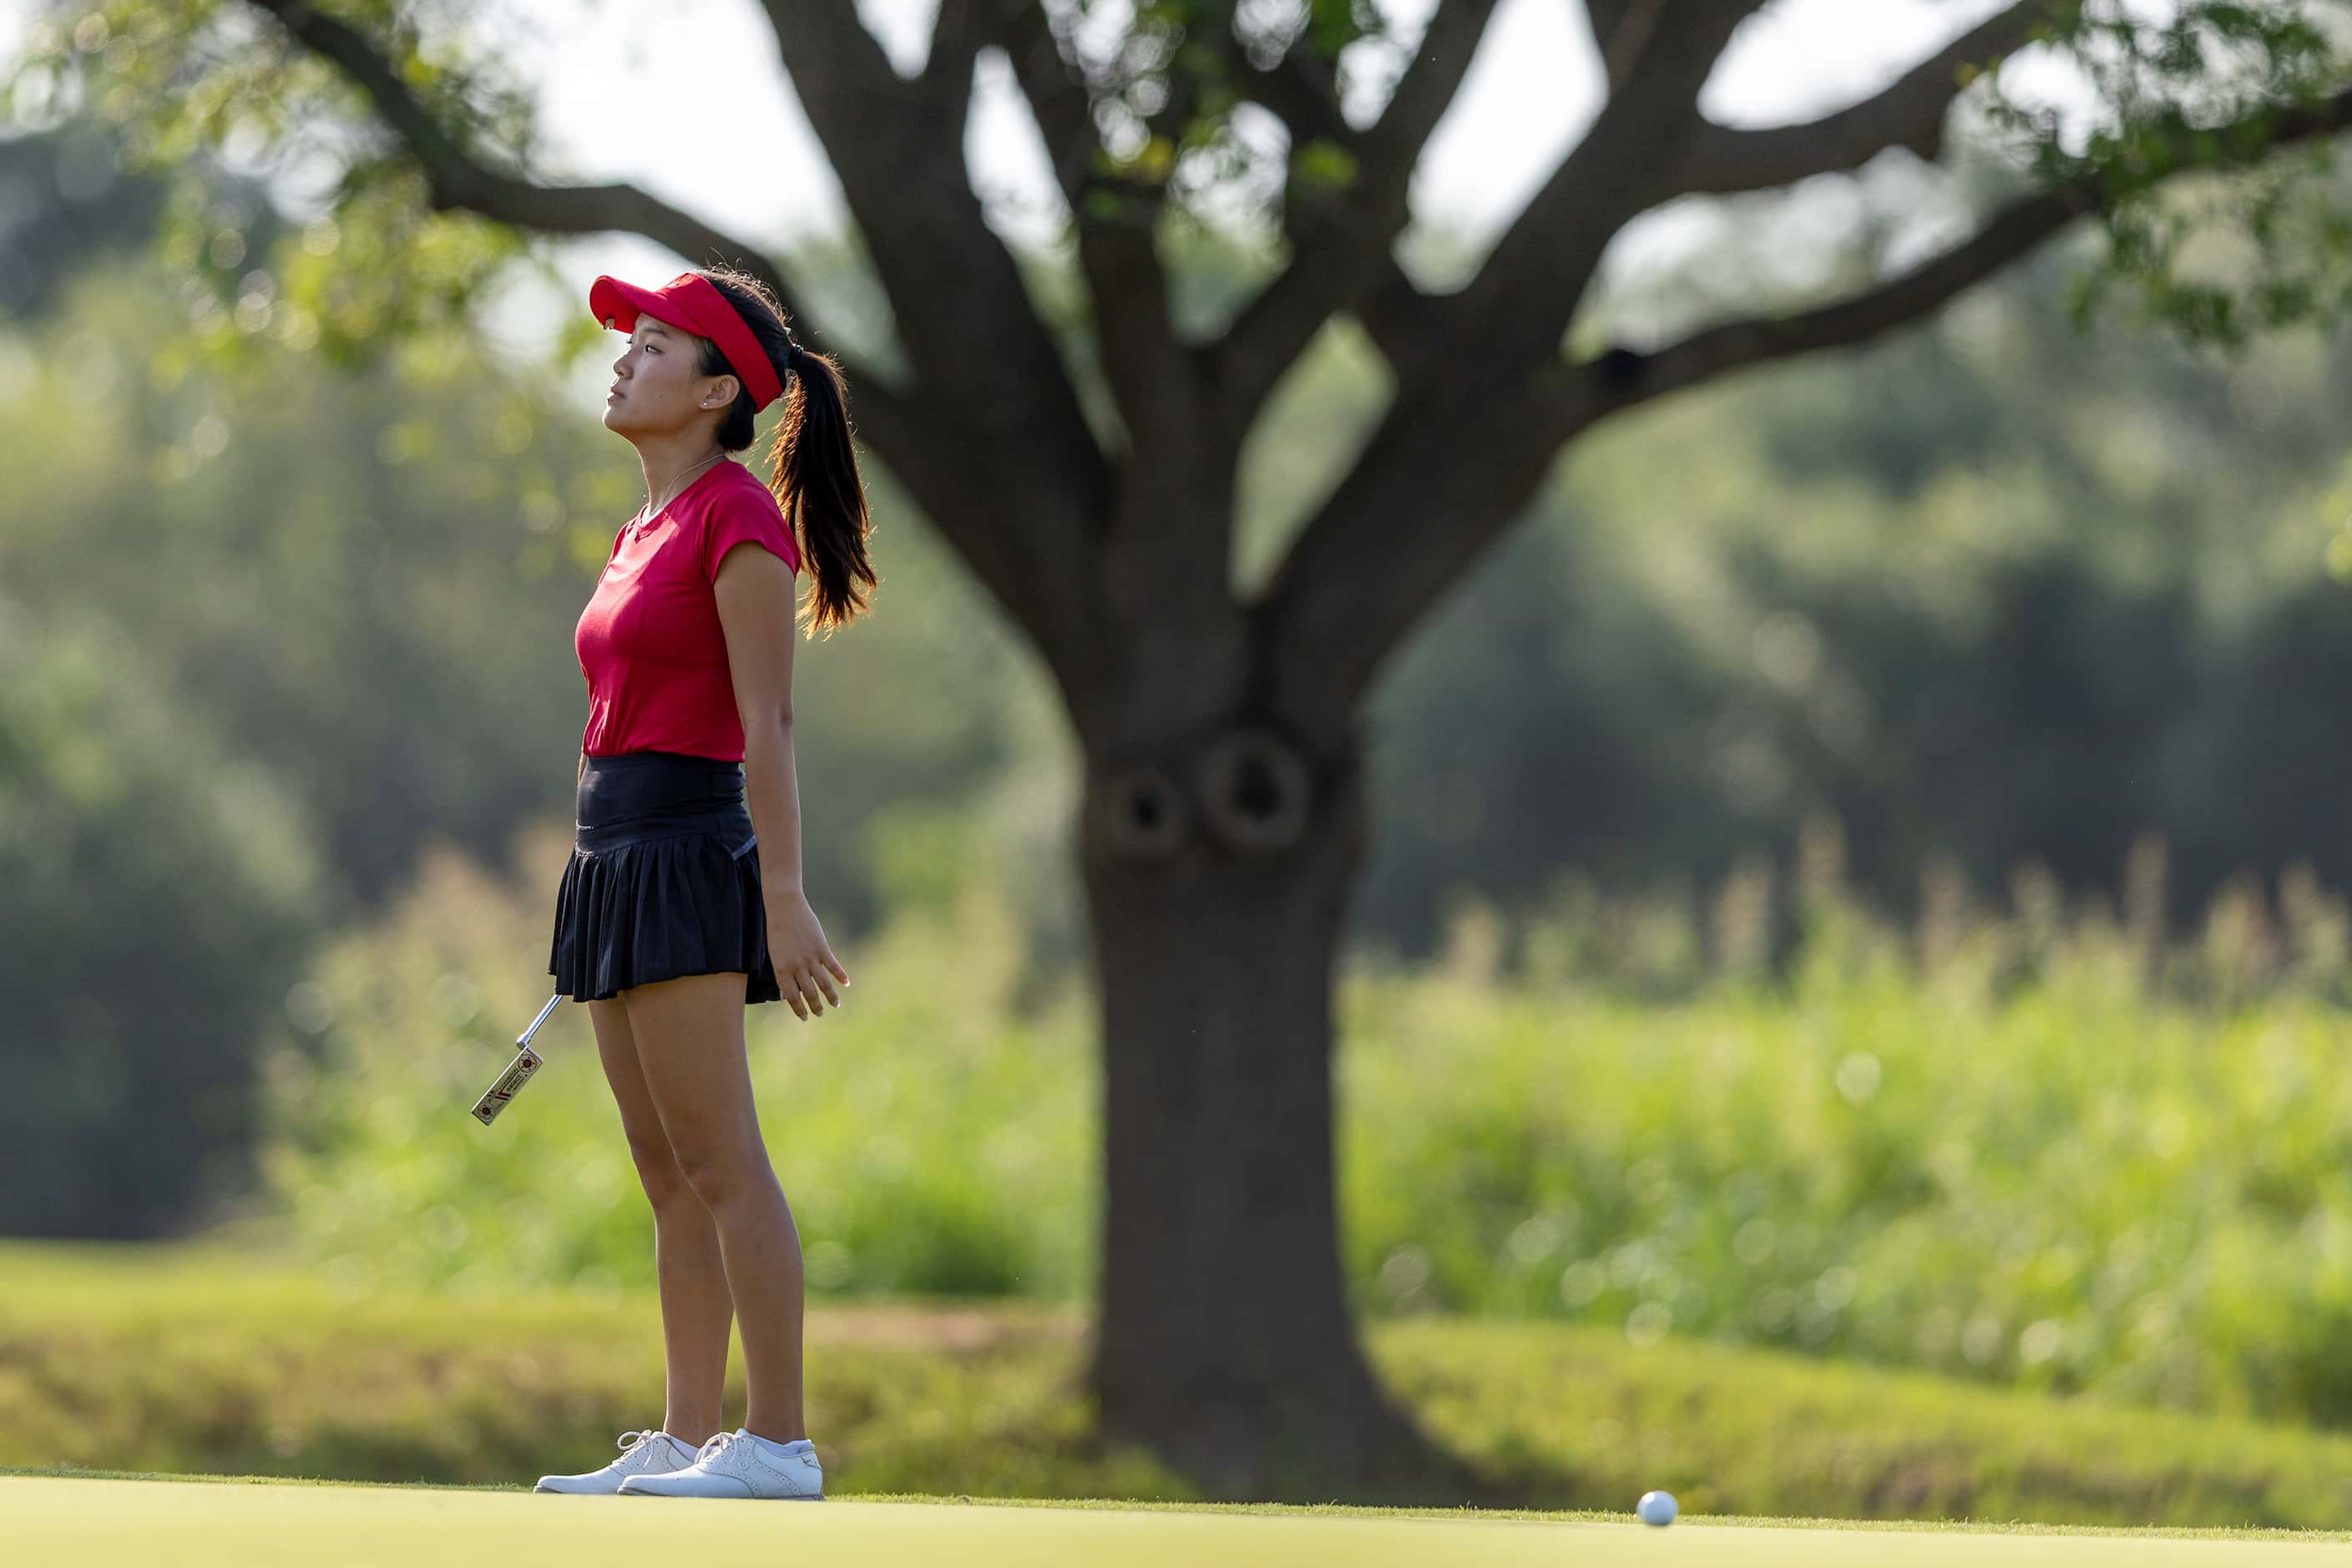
754	591
755	609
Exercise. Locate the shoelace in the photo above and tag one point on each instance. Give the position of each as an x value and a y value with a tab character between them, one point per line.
715	1447
630	1442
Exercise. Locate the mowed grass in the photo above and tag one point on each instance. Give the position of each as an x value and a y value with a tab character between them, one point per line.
136	1524
184	1360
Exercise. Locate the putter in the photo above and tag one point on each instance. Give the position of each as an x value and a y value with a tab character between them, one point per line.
509	1084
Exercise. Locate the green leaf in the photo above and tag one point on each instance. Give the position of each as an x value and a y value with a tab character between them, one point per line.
1324	165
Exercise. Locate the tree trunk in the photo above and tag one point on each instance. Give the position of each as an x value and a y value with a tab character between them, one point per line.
1225	1339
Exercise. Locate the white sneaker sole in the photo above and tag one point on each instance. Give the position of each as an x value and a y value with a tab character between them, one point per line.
721	1497
693	1497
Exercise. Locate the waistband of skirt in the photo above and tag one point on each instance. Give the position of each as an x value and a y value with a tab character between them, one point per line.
640	795
652	766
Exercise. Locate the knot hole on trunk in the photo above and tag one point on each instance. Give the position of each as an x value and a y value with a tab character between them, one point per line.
1256	792
1147	815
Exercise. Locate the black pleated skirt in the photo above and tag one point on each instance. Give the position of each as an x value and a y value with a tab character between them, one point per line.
664	881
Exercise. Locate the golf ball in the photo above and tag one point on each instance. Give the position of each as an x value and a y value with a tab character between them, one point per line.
1658	1508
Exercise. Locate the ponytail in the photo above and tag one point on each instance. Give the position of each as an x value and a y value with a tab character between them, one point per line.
813	462
814	468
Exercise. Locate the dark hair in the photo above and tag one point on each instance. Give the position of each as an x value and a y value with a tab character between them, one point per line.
813	462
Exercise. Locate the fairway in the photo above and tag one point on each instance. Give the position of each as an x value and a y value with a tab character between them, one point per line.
93	1523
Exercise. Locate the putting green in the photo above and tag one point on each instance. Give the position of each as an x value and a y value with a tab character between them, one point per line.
90	1523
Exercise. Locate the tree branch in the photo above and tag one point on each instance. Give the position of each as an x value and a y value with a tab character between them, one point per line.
1152	380
1406	524
1405	323
1909	113
456	180
1424	92
1352	589
993	385
1621	378
1056	96
1622	29
1523	297
1402	319
957	35
1297	91
1339	247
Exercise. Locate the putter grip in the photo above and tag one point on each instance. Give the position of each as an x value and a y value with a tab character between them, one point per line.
509	1084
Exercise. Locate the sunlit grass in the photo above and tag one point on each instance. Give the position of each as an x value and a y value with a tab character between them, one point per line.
170	1359
99	1523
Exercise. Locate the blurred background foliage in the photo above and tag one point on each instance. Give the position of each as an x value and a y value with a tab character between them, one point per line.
1853	870
2042	1146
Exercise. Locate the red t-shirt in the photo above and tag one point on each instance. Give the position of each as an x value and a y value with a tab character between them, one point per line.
650	642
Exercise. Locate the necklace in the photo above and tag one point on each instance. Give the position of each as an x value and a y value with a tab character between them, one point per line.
647	512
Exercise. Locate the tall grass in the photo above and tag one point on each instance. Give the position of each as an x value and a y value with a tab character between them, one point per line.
2040	1145
932	1136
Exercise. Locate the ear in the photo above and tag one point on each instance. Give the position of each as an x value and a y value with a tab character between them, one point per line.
723	392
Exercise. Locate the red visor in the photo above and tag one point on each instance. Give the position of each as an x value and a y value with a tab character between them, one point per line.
690	301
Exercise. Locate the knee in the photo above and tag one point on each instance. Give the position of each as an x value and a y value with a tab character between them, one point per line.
718	1175
659	1174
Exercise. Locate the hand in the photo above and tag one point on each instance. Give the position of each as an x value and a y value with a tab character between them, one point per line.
805	966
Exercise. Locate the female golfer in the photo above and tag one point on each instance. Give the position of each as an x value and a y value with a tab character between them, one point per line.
683	899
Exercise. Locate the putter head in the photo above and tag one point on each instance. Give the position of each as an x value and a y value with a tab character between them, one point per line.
509	1084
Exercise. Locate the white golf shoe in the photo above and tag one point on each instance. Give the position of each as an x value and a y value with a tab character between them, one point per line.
642	1453
737	1464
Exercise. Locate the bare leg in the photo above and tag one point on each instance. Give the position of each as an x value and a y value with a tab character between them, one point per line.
696	1308
690	1032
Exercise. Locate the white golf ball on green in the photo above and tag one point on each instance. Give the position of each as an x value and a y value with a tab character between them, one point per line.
1657	1508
